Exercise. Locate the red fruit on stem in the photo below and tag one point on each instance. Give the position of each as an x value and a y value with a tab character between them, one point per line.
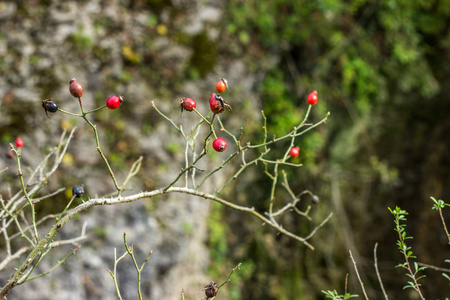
75	88
312	98
294	151
220	144
187	104
19	142
217	104
221	85
114	102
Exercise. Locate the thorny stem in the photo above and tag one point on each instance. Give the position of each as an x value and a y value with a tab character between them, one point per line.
357	274
229	276
133	171
378	273
215	170
443	223
238	143
186	160
14	217
265	130
114	275
272	191
55	266
94	127
120	199
65	209
139	270
22	183
165	117
290	134
191	166
211	126
243	167
204	119
403	250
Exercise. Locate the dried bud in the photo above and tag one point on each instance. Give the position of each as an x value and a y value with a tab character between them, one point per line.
211	290
217	104
49	106
78	191
9	153
75	88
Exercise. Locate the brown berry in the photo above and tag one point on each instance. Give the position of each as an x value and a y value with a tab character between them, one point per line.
9	153
211	290
75	88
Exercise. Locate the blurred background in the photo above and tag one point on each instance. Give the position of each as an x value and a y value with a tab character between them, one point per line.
380	67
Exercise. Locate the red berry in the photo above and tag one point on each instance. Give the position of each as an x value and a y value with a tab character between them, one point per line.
187	104
75	88
217	104
221	85
220	144
294	151
312	98
114	102
19	142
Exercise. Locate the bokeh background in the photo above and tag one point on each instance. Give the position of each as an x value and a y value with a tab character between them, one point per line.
380	67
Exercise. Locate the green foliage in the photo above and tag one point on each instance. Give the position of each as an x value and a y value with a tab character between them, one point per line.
444	274
217	239
335	295
204	55
81	41
413	273
439	204
278	104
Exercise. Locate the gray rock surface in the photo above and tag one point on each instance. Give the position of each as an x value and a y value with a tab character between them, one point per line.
42	46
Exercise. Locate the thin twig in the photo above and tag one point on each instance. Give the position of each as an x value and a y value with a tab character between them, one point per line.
55	266
357	274
25	192
229	276
434	267
378	273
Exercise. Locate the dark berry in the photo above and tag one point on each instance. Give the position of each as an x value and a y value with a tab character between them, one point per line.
114	102
217	104
75	88
49	106
220	144
19	142
294	151
312	98
221	85
9	153
187	104
211	290
78	191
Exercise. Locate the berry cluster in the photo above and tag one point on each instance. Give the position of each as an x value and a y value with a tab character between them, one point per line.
76	89
217	105
311	99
